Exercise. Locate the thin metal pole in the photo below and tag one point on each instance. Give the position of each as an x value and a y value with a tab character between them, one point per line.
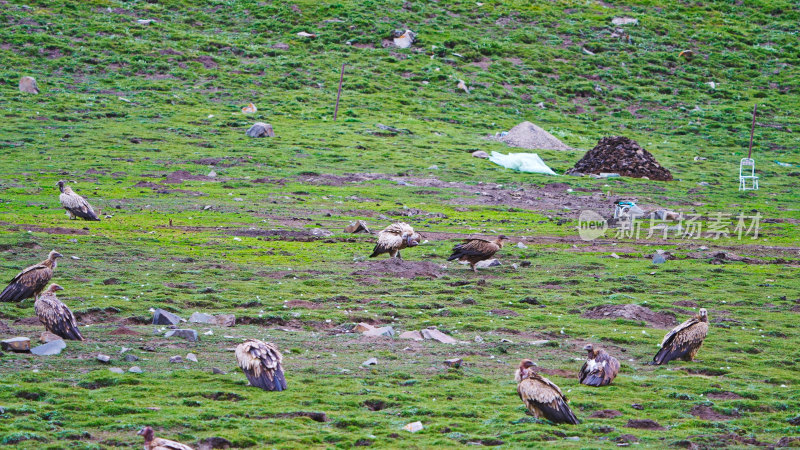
339	94
752	129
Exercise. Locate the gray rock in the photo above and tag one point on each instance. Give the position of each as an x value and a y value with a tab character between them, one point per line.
370	362
198	317
260	129
175	359
103	358
488	263
16	344
135	369
382	331
217	371
225	320
213	442
540	342
161	317
413	335
432	333
659	259
115	370
521	245
191	357
185	333
480	154
49	349
28	85
131	358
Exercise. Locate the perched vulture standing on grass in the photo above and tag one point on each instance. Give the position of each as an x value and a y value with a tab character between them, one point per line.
153	443
75	205
262	363
55	315
600	368
683	341
473	251
394	238
541	396
31	281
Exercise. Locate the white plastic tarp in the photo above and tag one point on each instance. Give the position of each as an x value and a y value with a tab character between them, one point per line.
524	162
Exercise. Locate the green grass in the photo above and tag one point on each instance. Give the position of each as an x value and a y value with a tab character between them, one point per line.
187	75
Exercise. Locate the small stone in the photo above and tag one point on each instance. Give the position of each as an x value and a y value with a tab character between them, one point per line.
382	331
161	317
370	362
478	339
28	85
131	358
488	263
191	357
135	369
259	130
212	174
413	335
637	406
624	21
47	336
413	427
103	358
189	335
144	21
217	371
659	259
115	370
480	154
521	245
540	342
225	320
506	341
363	327
432	333
49	349
198	317
454	362
614	255
175	359
572	438
358	226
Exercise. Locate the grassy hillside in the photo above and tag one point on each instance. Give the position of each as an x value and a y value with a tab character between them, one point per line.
136	115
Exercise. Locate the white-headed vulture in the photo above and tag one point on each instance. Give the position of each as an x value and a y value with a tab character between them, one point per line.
153	443
262	363
684	341
541	396
31	281
600	368
394	238
75	205
473	251
56	316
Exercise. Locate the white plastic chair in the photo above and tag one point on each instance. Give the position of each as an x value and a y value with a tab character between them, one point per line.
747	172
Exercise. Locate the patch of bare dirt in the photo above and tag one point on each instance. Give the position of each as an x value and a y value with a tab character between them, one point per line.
631	312
302	304
686	304
179	176
707	413
227	161
723	395
644	424
97	315
315	416
398	268
207	62
124	331
27	321
724	440
504	312
4	329
558	372
605	414
49	230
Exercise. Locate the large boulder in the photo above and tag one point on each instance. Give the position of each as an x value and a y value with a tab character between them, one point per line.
161	317
260	129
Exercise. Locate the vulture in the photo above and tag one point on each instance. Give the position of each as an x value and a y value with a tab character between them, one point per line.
153	443
262	363
600	368
683	341
31	281
473	251
394	238
541	396
75	205
55	315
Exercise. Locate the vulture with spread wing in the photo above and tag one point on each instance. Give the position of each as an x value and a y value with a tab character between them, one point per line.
55	315
31	281
262	363
473	251
153	443
600	368
394	238
75	205
541	396
683	341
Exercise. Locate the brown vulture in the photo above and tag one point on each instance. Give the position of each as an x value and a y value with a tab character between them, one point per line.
600	368
541	396
394	238
153	443
262	363
31	281
75	205
473	251
55	315
683	341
